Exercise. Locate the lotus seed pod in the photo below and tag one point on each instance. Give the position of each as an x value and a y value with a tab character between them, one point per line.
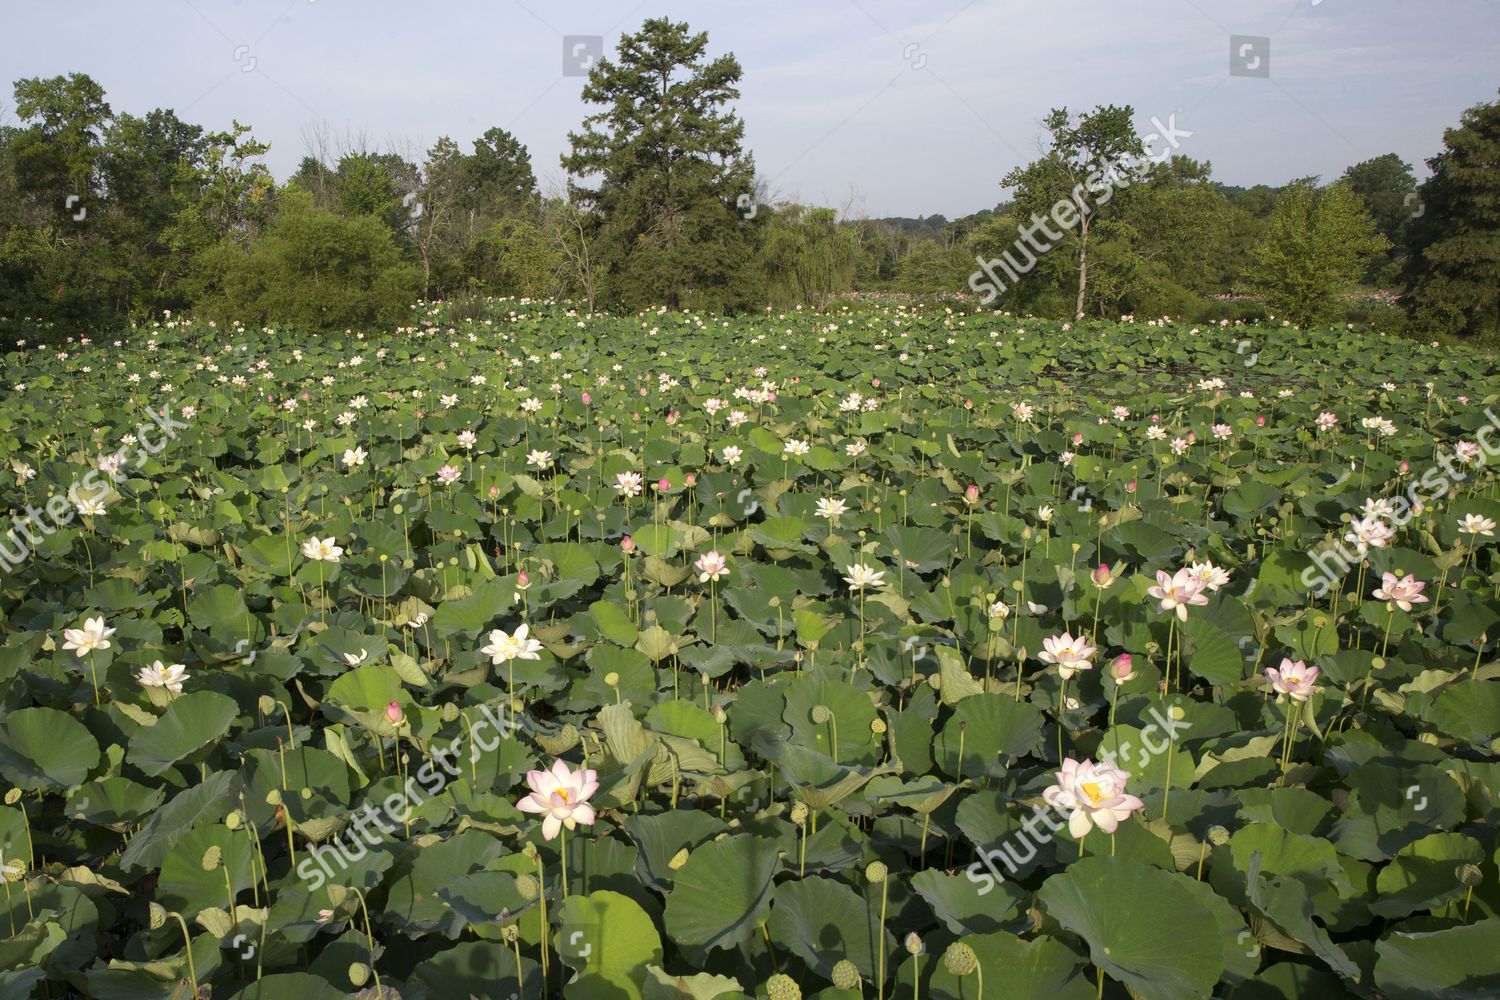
560	742
1469	875
510	933
13	796
876	871
845	975
235	820
273	797
450	712
612	679
527	887
359	973
877	726
14	870
530	851
1176	713
213	858
821	714
158	915
1218	836
935	682
913	944
267	705
960	959
678	860
799	813
306	793
782	987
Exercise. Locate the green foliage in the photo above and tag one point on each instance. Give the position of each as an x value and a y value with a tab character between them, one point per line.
312	269
1316	246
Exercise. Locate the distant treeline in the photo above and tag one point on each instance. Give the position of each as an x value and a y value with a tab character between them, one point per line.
106	217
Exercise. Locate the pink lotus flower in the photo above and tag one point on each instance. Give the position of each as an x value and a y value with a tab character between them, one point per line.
1093	795
1178	592
711	566
587	399
1401	591
1294	680
561	795
1071	655
1104	576
449	474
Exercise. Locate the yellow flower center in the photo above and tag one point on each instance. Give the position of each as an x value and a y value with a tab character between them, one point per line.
1093	791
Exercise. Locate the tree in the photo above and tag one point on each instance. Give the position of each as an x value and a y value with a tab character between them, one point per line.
1088	158
1453	263
1316	246
660	170
1388	189
314	269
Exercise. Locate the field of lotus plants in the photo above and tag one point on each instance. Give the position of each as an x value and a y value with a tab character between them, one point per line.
888	651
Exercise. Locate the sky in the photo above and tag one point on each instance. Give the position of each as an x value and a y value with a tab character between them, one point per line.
876	107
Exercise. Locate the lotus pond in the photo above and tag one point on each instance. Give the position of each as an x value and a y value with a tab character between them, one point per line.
879	652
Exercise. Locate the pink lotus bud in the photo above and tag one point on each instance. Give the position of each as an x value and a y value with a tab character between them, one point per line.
627	545
968	404
690	480
393	713
971	493
1260	421
663	484
494	491
1130	486
523	581
1122	669
1078	437
1405	467
1104	576
875	383
587	399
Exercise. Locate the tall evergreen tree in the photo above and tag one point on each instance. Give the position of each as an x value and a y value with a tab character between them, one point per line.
661	171
1453	263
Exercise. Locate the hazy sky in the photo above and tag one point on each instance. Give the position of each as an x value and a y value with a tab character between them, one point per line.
890	107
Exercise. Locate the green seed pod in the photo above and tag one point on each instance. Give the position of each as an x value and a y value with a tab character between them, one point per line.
450	712
359	973
235	820
678	860
158	915
510	933
267	705
1469	875
799	813
821	714
878	727
13	796
783	987
876	871
960	959
527	887
845	975
213	858
1218	836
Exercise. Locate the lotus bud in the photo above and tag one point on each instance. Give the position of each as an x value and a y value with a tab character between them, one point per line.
845	975
393	713
1105	575
783	987
1469	875
523	581
1122	669
678	860
527	887
720	716
821	714
663	484
627	545
359	974
1218	836
450	712
876	871
960	959
971	494
913	943
158	915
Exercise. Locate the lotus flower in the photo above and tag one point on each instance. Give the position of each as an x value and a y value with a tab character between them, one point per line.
561	795
321	549
1178	592
862	576
1401	591
159	676
711	566
1071	655
1092	795
519	646
94	635
1295	679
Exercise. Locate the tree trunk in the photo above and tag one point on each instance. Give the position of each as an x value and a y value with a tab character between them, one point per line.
1083	267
